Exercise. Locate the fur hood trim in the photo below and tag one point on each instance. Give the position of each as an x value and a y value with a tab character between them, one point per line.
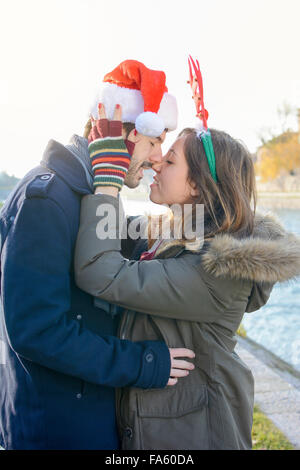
270	255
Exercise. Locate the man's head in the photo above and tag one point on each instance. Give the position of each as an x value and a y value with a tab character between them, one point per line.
147	152
148	112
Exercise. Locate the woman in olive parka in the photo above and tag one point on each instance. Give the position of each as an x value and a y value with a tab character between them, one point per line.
191	293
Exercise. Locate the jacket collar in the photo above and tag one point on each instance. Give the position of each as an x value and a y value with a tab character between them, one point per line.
59	159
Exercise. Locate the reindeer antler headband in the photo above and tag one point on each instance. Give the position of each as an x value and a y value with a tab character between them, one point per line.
204	133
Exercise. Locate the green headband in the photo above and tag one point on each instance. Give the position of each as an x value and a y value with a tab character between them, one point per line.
205	136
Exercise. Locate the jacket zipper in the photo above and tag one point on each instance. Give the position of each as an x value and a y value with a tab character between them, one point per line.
123	325
157	329
122	331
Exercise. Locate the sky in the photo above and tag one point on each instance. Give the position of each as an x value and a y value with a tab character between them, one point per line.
55	53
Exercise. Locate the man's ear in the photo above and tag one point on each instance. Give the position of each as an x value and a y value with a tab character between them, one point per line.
124	133
132	136
87	129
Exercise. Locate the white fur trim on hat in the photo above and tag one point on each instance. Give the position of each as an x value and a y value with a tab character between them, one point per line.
132	104
149	124
130	100
168	111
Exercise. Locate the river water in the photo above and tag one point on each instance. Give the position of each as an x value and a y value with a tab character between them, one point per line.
276	326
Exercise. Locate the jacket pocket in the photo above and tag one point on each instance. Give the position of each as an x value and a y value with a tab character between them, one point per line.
174	418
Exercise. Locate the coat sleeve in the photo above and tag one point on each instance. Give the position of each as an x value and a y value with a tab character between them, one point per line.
36	267
171	287
259	296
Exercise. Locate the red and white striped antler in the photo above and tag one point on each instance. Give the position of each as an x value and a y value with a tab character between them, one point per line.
197	89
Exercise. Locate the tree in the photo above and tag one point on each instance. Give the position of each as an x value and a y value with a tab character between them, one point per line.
279	153
285	114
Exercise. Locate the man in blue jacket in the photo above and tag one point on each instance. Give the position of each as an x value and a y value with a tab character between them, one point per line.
60	359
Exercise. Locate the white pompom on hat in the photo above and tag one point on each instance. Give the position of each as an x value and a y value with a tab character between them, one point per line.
143	96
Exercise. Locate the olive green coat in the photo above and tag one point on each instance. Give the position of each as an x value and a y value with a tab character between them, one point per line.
192	299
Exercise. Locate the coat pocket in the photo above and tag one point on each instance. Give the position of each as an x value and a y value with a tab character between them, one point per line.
174	418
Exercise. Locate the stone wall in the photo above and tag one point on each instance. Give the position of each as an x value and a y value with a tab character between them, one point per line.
285	182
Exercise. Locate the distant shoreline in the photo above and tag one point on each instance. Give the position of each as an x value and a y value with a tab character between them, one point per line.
279	200
268	200
278	194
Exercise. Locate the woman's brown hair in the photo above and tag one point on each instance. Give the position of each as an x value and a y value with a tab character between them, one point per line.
229	204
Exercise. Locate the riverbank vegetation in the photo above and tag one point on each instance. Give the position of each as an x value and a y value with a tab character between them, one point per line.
265	435
281	155
7	184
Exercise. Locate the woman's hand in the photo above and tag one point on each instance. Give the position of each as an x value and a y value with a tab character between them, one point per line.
102	127
180	367
109	154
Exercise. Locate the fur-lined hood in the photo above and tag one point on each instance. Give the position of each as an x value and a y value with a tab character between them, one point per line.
270	255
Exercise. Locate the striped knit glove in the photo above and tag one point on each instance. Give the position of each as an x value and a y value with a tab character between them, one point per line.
109	154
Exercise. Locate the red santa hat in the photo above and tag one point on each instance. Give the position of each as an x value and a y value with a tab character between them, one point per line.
143	95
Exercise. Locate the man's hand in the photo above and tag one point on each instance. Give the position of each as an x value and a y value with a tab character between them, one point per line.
180	367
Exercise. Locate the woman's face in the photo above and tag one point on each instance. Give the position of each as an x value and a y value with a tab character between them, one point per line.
171	185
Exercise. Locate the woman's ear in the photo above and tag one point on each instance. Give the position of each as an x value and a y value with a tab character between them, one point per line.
194	190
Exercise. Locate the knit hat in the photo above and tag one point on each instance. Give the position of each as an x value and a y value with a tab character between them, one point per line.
143	96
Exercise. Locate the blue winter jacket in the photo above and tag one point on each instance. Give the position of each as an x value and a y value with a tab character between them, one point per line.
59	357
